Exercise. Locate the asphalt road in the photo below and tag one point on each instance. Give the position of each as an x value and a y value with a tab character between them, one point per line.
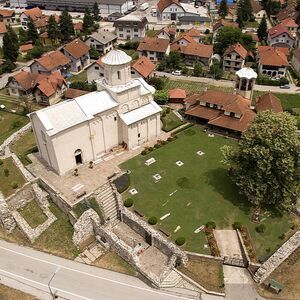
32	271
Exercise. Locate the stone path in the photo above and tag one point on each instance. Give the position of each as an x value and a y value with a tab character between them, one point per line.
228	243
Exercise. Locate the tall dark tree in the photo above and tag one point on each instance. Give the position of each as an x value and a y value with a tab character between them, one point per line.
223	9
244	12
53	29
96	12
10	45
32	33
66	26
262	30
265	164
23	38
88	21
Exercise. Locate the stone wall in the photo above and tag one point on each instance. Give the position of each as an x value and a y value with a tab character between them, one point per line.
21	197
28	176
277	258
244	251
6	217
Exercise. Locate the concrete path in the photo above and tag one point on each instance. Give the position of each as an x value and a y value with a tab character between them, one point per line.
33	271
238	284
227	83
228	243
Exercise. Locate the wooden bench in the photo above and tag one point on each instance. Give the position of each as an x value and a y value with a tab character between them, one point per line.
165	232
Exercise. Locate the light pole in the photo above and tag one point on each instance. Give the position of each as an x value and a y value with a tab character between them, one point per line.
52	294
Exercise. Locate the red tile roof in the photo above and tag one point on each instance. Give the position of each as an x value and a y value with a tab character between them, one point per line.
238	48
203	112
224	23
25	48
177	94
284	50
278	30
6	13
143	66
2	28
27	79
153	44
273	57
163	4
49	85
195	49
33	13
78	26
53	60
256	7
289	22
171	31
268	102
77	48
73	93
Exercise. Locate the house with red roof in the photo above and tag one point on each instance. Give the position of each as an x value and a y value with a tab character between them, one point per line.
34	14
169	10
154	48
143	67
234	58
280	36
7	16
168	33
291	25
177	96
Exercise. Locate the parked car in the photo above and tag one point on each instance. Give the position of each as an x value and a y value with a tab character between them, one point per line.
286	86
177	73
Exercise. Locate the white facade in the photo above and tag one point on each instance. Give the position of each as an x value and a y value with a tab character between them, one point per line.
111	8
94	72
130	33
283	38
18	3
84	129
171	13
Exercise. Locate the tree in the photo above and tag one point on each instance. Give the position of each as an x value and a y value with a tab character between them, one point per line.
174	60
157	82
23	38
197	70
161	97
88	21
264	165
94	54
53	29
10	45
226	36
36	52
32	33
215	69
244	11
262	30
96	12
66	26
223	9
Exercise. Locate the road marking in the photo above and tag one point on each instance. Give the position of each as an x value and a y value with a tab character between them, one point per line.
44	285
91	275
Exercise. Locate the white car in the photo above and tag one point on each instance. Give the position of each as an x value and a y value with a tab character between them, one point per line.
177	73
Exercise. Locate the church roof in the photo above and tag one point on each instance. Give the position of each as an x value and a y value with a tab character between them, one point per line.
140	113
247	73
116	57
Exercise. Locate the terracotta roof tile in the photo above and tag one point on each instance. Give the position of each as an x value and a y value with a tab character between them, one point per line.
25	48
199	50
284	50
278	30
53	59
238	48
143	66
49	85
34	13
289	22
6	13
2	28
73	93
268	102
171	31
256	7
177	94
27	79
203	112
153	44
163	4
77	48
273	57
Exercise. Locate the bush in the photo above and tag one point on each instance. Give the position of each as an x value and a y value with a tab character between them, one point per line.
128	202
283	81
152	220
282	236
180	241
207	31
157	82
168	110
84	86
16	124
1	162
161	97
210	224
163	114
94	54
237	225
156	146
144	152
261	228
122	183
129	45
150	149
170	139
6	172
36	52
265	80
14	184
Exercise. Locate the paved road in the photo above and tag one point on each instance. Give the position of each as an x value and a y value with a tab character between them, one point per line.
22	267
228	83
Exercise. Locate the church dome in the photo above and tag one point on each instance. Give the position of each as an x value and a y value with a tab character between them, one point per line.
247	73
116	57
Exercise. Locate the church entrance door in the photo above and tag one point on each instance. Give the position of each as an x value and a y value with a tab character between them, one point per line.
78	157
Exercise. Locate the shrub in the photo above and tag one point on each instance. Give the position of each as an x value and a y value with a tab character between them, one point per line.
128	202
261	228
1	162
282	236
210	224
180	241
157	82
170	139
283	81
16	124
94	54
164	113
152	220
207	31
150	149
168	110
161	97
156	146
14	184
164	142
237	225
144	152
6	172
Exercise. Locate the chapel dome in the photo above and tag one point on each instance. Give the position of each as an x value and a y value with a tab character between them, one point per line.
116	57
247	73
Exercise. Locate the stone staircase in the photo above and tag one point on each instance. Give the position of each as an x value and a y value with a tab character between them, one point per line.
172	280
106	198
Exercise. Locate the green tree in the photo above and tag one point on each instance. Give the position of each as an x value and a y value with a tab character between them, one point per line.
161	97
94	54
88	21
216	69
32	33
23	38
223	9
10	45
226	36
264	165
53	29
262	30
96	12
244	11
66	26
174	60
197	69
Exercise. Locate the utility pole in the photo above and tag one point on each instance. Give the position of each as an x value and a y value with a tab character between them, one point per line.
49	283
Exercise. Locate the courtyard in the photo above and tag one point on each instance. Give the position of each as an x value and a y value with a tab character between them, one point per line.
187	196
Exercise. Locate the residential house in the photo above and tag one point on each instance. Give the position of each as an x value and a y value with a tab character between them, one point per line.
234	58
24	49
257	10
268	102
95	71
280	36
46	90
195	34
54	61
102	40
7	16
177	96
272	61
168	33
2	31
154	48
169	10
78	52
114	16
74	93
131	27
289	11
296	60
143	67
291	25
33	13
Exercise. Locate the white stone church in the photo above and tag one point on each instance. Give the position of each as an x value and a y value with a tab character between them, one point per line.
121	113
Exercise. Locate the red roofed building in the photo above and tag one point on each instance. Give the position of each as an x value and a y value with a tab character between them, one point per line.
224	23
290	24
24	49
154	48
177	95
280	36
2	31
234	57
142	67
268	102
33	13
272	61
7	16
169	10
167	33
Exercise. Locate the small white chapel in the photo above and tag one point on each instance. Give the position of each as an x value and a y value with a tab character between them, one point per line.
121	113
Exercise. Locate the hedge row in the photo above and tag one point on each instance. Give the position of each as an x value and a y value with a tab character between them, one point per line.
159	144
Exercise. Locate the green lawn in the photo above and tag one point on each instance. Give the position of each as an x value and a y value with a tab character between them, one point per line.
33	214
253	24
24	146
82	76
7	180
204	192
170	121
152	33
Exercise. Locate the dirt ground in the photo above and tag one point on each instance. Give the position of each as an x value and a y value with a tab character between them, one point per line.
207	272
7	293
228	243
288	274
